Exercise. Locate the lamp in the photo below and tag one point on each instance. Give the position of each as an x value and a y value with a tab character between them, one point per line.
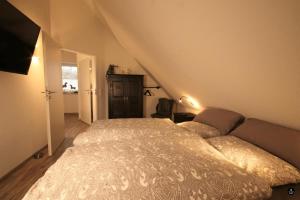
35	60
187	99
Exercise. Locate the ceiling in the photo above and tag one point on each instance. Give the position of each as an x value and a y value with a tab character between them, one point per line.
239	55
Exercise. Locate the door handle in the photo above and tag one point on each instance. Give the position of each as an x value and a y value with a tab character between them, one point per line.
48	92
45	92
90	91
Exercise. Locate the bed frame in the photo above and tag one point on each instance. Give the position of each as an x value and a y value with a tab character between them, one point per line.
282	192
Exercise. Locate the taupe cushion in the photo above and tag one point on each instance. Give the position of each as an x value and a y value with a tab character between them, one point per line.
221	119
278	140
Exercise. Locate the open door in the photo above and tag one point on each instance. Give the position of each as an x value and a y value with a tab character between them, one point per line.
85	88
54	94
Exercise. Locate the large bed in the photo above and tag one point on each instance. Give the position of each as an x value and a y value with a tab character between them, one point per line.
149	159
164	162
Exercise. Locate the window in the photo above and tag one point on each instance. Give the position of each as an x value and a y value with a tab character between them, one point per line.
69	79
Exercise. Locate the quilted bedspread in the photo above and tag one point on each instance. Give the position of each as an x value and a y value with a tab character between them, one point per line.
145	159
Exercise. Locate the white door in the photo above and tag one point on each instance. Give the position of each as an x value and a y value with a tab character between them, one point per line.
85	89
54	94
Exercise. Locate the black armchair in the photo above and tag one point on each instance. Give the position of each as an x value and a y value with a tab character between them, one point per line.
164	108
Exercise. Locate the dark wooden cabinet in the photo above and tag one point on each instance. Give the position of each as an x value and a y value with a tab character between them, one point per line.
125	96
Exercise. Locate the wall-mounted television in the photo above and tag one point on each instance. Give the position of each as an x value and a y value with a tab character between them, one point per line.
18	37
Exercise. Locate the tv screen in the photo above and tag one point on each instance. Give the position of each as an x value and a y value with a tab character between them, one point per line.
18	37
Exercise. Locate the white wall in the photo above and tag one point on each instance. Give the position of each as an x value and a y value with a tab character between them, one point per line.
36	10
239	55
84	32
23	115
23	110
80	32
68	58
71	102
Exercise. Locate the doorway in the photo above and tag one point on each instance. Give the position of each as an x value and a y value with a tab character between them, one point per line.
70	86
79	85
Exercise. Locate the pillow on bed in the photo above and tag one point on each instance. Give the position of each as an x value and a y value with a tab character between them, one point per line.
278	140
255	160
221	119
201	129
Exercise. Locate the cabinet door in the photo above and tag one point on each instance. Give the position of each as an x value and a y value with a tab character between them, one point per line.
117	106
134	97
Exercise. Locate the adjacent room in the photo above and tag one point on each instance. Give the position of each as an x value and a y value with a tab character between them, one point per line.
152	100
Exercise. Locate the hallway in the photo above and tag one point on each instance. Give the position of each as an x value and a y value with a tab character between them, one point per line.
15	185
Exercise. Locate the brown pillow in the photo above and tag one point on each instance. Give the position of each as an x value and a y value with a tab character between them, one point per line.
278	140
221	119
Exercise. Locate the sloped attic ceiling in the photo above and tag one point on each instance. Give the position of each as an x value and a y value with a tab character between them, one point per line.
240	55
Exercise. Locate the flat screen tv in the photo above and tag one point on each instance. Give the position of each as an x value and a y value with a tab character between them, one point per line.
18	37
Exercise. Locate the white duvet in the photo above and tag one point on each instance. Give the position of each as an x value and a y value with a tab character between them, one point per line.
145	159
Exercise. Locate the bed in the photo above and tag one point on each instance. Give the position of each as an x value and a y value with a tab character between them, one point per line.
157	159
266	150
163	162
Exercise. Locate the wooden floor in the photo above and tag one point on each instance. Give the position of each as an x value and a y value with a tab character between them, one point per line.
15	185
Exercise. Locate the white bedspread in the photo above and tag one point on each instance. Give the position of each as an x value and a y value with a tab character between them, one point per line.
145	159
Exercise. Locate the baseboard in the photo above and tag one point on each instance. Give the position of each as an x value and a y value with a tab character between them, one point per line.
21	164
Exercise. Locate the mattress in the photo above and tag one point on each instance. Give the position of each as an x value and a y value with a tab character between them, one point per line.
161	162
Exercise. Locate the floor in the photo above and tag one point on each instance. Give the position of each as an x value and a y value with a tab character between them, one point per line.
15	185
